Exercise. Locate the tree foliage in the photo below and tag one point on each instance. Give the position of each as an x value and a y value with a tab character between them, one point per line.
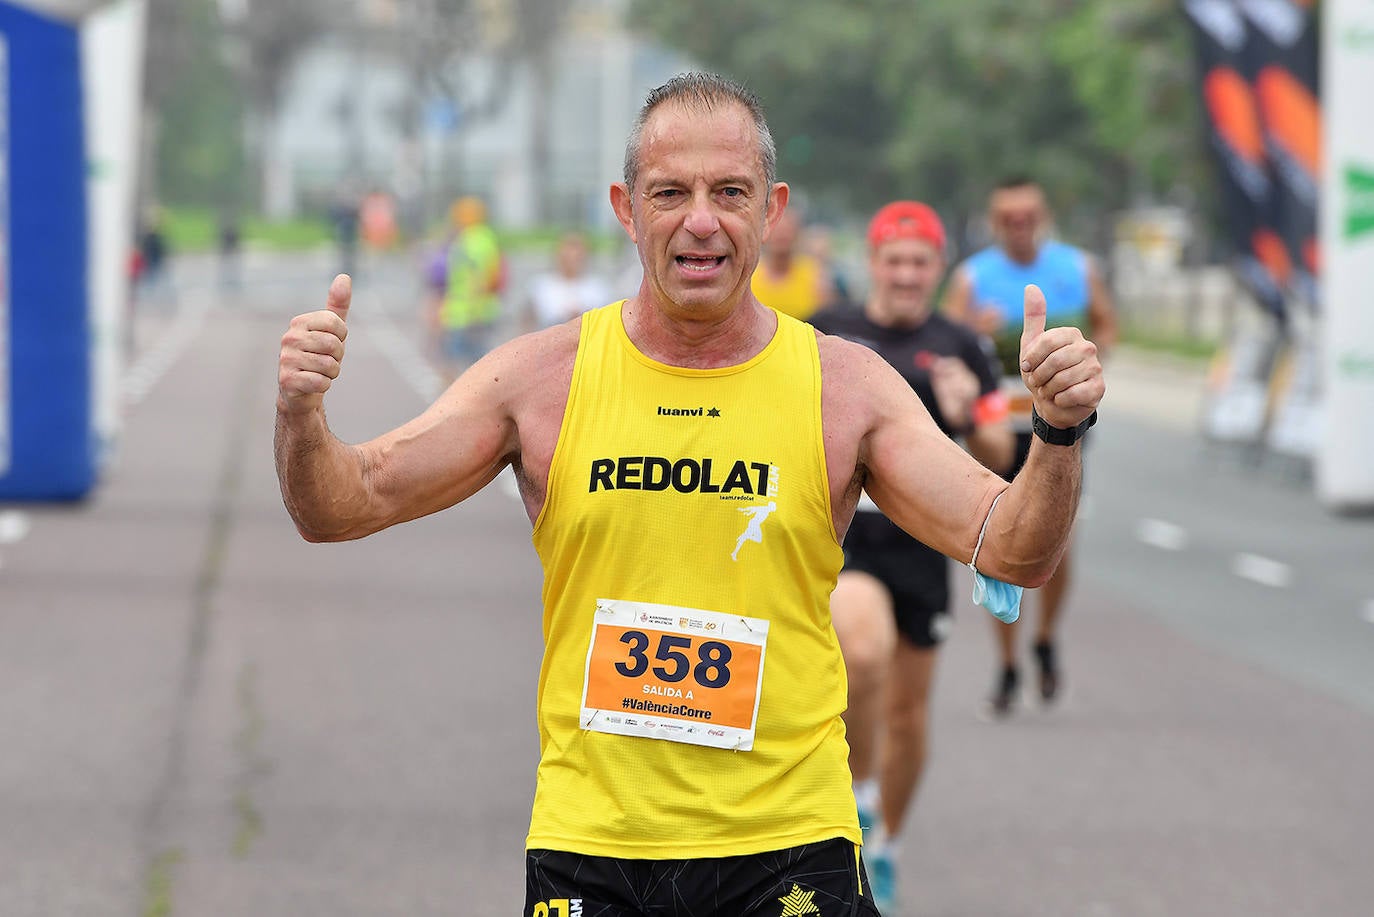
216	67
196	109
875	99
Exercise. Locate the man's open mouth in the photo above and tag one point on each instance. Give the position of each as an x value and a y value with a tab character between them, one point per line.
700	263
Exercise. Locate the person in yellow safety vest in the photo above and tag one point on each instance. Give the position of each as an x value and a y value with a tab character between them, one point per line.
787	279
471	303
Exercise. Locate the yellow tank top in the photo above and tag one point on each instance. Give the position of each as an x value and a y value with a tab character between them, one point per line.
798	294
692	684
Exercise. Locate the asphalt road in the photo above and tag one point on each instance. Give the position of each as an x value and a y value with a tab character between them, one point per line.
203	715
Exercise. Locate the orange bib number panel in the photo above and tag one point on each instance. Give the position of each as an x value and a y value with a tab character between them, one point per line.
1019	403
673	673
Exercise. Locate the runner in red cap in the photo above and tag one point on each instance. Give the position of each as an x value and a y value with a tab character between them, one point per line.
890	605
907	220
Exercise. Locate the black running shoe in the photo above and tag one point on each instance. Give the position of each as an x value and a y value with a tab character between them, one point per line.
1049	671
1003	700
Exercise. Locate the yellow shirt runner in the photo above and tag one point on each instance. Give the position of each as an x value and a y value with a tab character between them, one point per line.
690	710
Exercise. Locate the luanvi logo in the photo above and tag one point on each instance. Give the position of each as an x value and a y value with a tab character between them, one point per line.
688	412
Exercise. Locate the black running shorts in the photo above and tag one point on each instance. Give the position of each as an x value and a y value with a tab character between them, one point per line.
917	577
825	879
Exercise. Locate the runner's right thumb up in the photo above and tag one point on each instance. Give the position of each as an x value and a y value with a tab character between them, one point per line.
340	296
1034	323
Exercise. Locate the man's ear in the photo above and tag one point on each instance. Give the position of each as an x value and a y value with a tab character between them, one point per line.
777	203
621	204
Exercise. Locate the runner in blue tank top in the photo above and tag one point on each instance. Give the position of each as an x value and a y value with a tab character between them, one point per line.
986	293
1060	270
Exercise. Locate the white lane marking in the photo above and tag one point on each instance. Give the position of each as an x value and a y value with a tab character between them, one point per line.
1163	535
1368	613
153	365
14	526
406	358
1262	570
414	369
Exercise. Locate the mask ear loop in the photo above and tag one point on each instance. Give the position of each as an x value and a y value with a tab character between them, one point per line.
973	564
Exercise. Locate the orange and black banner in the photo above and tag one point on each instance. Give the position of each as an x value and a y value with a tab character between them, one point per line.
1231	54
1283	67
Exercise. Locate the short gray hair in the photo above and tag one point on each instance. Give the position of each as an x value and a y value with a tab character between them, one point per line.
703	92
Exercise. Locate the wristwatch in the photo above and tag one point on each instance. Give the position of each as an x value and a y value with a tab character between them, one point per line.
1060	436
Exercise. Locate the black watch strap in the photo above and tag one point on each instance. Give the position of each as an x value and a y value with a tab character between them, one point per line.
1060	436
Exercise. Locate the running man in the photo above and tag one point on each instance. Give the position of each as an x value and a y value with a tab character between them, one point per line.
466	315
754	530
890	606
692	753
985	293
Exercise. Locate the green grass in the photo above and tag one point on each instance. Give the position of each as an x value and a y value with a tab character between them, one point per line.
157	890
188	230
1189	348
193	229
197	230
286	236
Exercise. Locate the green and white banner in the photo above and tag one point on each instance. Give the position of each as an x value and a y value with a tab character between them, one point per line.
112	52
1345	461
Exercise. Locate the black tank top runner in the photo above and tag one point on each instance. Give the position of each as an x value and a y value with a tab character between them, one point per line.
911	351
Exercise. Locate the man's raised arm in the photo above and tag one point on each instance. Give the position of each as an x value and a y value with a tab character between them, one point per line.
939	494
1030	528
335	491
322	479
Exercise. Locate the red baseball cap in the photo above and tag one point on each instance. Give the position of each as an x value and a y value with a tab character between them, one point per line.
906	220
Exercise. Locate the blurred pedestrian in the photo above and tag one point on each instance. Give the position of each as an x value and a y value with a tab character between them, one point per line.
819	243
986	293
474	278
788	279
229	242
689	460
343	217
154	252
890	606
377	220
570	288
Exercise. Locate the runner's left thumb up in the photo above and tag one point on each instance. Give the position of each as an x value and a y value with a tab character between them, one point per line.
1034	323
340	296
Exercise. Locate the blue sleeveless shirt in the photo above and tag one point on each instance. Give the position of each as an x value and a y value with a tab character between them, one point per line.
1059	270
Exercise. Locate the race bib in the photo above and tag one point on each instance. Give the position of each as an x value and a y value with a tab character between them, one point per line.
672	673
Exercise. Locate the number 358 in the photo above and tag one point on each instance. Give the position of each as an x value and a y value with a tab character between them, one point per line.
712	664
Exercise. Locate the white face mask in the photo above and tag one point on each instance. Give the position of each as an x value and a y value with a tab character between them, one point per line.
1002	599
